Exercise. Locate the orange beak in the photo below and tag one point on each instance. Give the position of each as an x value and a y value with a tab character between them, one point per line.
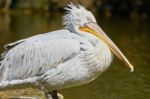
94	29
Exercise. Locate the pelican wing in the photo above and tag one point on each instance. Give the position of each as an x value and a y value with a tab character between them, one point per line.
37	54
9	46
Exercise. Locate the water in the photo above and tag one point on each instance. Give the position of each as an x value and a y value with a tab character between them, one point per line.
131	36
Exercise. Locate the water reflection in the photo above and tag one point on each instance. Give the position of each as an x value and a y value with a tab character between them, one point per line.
132	36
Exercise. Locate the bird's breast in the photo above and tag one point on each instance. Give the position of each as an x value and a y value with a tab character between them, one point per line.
97	59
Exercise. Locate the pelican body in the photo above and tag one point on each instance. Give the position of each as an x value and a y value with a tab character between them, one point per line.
73	56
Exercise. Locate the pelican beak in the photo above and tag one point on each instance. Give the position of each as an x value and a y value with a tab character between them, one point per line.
94	29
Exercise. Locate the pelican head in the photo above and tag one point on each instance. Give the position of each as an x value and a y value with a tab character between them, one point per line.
77	16
78	19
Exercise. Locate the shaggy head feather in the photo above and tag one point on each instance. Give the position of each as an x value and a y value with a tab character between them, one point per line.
77	16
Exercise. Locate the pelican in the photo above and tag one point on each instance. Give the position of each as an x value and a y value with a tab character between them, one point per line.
73	56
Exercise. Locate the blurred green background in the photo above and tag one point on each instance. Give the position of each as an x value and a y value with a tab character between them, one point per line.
127	22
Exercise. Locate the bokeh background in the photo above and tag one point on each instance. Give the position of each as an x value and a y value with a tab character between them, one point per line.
127	22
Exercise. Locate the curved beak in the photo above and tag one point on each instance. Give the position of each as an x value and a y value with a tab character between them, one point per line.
97	31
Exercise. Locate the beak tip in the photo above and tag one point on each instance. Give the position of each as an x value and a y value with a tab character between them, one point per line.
131	68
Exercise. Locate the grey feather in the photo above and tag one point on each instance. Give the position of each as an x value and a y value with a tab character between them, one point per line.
10	46
35	55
